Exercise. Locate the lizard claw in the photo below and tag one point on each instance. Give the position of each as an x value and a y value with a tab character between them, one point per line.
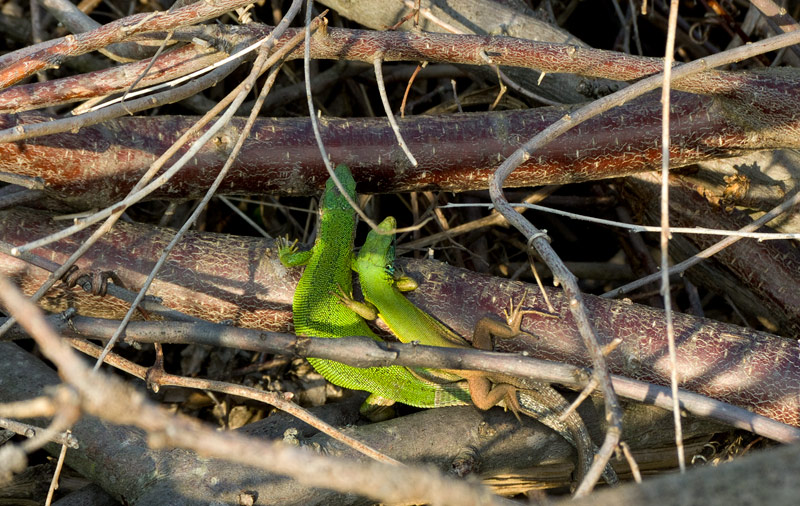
344	297
512	404
284	246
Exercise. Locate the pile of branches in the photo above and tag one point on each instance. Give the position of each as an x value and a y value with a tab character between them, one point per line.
142	154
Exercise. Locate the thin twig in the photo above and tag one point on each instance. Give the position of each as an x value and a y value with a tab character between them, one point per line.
225	200
272	398
637	475
761	236
408	89
24	429
22	63
773	213
387	107
487	221
665	232
54	481
365	352
315	124
31	408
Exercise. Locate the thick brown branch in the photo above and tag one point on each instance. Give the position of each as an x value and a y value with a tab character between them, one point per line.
101	163
240	279
365	46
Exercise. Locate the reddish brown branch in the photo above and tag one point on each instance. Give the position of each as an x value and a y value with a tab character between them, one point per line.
23	63
459	152
363	45
223	277
169	65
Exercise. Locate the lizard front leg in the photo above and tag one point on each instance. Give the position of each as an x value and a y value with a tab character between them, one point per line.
489	326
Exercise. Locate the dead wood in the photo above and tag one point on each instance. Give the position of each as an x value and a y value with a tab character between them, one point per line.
763	477
492	445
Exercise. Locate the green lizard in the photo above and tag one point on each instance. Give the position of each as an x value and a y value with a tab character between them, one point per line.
317	311
375	267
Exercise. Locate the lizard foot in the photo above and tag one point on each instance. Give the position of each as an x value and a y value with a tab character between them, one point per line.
284	246
515	313
363	309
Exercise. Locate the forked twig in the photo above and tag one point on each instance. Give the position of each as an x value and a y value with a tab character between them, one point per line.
271	398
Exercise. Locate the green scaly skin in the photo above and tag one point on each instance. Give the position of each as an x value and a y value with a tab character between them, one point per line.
382	291
318	313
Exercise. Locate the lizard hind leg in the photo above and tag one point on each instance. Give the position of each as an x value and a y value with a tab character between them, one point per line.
485	394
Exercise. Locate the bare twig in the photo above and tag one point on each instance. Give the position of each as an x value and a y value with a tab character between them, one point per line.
315	123
56	474
784	207
387	107
777	19
20	64
62	438
761	236
161	378
365	352
665	233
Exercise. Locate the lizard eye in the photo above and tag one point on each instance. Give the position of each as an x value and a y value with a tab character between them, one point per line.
389	268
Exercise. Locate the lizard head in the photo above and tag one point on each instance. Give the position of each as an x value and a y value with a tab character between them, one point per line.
378	249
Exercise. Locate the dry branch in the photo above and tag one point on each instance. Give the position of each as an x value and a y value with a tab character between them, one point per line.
365	46
169	65
20	64
765	477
